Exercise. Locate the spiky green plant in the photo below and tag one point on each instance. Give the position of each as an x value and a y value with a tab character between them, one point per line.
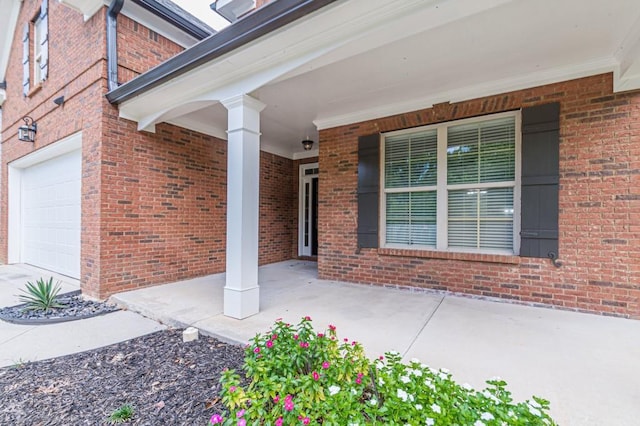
41	296
122	414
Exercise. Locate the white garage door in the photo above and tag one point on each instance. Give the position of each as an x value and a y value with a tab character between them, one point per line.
50	198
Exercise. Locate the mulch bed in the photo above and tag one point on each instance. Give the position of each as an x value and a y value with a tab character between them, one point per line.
167	382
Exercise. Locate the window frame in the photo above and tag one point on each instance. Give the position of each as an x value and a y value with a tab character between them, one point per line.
36	25
442	188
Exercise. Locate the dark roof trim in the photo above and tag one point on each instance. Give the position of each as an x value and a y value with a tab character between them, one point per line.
261	22
199	30
3	85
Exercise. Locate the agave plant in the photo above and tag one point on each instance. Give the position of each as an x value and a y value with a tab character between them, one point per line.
41	296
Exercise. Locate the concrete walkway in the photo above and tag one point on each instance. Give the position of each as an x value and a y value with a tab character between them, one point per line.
588	366
22	343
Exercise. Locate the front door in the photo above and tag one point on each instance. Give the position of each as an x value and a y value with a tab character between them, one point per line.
308	223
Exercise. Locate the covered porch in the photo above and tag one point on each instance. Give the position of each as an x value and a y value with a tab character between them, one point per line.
586	365
296	69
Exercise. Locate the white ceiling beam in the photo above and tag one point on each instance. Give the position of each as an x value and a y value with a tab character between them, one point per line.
627	76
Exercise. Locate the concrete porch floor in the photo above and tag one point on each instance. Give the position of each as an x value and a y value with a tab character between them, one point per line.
586	365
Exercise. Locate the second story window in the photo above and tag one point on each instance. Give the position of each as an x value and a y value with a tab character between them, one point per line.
35	45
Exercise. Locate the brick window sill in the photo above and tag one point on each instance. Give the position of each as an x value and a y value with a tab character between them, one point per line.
34	90
468	257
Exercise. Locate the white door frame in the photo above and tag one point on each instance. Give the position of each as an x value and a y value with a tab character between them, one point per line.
304	178
15	241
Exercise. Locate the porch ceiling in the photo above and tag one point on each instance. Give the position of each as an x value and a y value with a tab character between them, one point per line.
360	59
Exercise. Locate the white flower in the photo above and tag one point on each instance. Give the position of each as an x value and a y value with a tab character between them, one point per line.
380	381
379	365
436	408
430	422
430	385
334	389
487	416
495	379
479	423
467	386
415	361
354	392
535	411
373	401
416	373
443	375
402	395
424	366
418	406
445	371
411	398
405	379
393	353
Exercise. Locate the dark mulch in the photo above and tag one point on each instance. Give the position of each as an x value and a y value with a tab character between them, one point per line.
168	383
75	307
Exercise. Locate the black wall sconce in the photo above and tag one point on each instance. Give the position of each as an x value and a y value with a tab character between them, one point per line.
307	144
27	132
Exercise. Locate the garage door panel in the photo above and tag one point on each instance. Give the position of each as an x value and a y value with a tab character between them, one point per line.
51	214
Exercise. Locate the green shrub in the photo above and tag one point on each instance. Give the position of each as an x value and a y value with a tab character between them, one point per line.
298	376
41	296
122	414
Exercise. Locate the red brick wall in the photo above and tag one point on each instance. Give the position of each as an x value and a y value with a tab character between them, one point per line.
140	49
277	216
599	208
164	206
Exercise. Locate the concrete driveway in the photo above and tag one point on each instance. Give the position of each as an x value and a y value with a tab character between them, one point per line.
23	343
588	366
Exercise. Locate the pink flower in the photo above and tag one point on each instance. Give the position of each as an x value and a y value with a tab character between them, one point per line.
381	357
240	414
308	318
353	343
216	418
278	319
232	389
358	380
332	327
242	422
288	405
279	421
295	337
304	344
320	335
269	343
325	365
345	339
316	376
274	337
257	349
306	420
276	399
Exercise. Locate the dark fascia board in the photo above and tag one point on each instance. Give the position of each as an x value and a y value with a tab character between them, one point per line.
198	31
3	85
268	18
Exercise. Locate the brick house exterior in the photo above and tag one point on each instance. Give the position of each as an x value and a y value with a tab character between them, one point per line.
155	189
146	218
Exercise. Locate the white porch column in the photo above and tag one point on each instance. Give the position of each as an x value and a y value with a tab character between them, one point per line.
241	292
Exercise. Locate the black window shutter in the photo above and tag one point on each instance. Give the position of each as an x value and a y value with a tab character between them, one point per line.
44	39
540	178
368	190
25	60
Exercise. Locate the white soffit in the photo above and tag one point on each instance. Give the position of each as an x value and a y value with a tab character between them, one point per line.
88	8
3	96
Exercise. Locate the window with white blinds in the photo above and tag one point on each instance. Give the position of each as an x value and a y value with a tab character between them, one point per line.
453	186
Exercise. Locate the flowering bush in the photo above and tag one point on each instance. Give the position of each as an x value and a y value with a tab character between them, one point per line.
297	376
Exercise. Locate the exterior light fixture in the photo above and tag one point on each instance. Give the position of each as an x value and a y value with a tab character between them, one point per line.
307	144
27	132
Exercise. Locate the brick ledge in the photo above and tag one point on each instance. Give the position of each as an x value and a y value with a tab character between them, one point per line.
468	257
